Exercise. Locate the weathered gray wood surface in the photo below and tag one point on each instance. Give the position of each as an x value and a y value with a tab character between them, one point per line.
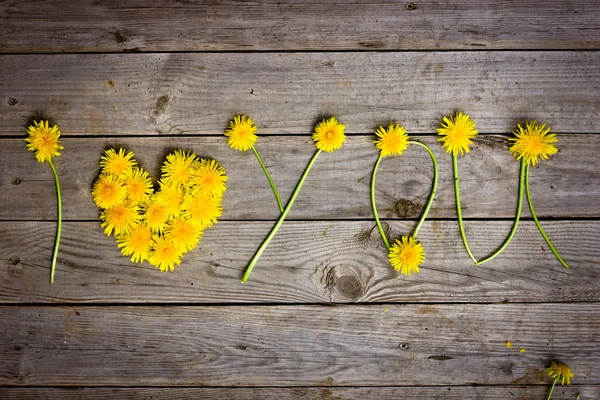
307	262
37	26
195	93
323	393
338	187
355	345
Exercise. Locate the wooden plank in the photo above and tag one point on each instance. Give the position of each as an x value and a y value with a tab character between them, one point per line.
183	93
337	187
329	393
297	345
153	25
328	261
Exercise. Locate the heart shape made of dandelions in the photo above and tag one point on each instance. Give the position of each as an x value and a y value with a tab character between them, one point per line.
158	226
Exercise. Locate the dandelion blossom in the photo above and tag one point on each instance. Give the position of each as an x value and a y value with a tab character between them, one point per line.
202	209
532	142
119	219
391	141
108	191
136	243
560	371
137	184
178	167
155	215
407	255
183	233
170	197
116	162
210	177
165	254
457	133
43	140
241	133
329	135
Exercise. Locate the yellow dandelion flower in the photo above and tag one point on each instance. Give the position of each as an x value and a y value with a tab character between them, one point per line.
136	243
116	162
532	142
560	371
210	177
108	191
155	215
137	184
178	167
183	233
202	209
391	141
457	133
119	219
43	140
407	255
170	197
165	254
241	133
329	135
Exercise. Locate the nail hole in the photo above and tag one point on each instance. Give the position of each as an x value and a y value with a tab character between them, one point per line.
410	6
404	346
12	101
15	181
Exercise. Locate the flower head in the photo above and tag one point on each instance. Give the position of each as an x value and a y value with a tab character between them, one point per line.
241	133
154	215
108	191
116	162
178	167
137	184
43	140
165	254
329	135
202	208
136	243
532	142
391	141
407	255
210	177
119	219
558	370
170	197
457	133
183	233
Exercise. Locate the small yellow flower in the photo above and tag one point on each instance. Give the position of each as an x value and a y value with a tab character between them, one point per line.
241	133
202	209
178	167
391	141
210	177
116	163
329	135
407	255
532	142
457	133
508	344
43	140
170	197
561	371
136	243
183	233
119	219
108	191
155	216
137	184
165	254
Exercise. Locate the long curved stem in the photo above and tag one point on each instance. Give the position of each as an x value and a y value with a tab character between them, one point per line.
59	227
537	222
433	188
463	233
552	388
374	205
264	168
284	214
517	217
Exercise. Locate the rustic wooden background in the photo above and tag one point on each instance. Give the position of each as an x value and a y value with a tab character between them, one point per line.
323	315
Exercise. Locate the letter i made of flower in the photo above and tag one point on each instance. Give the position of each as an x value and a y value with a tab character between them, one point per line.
406	254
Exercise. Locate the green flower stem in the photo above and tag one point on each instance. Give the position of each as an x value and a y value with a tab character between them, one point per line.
59	227
537	222
433	188
517	217
284	214
269	178
552	388
463	234
374	205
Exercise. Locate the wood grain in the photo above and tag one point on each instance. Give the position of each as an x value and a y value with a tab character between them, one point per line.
297	345
153	25
307	262
337	187
196	93
324	393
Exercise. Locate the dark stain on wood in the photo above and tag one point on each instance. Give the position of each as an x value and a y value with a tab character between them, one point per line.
161	103
440	358
405	208
119	36
326	382
349	286
532	375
